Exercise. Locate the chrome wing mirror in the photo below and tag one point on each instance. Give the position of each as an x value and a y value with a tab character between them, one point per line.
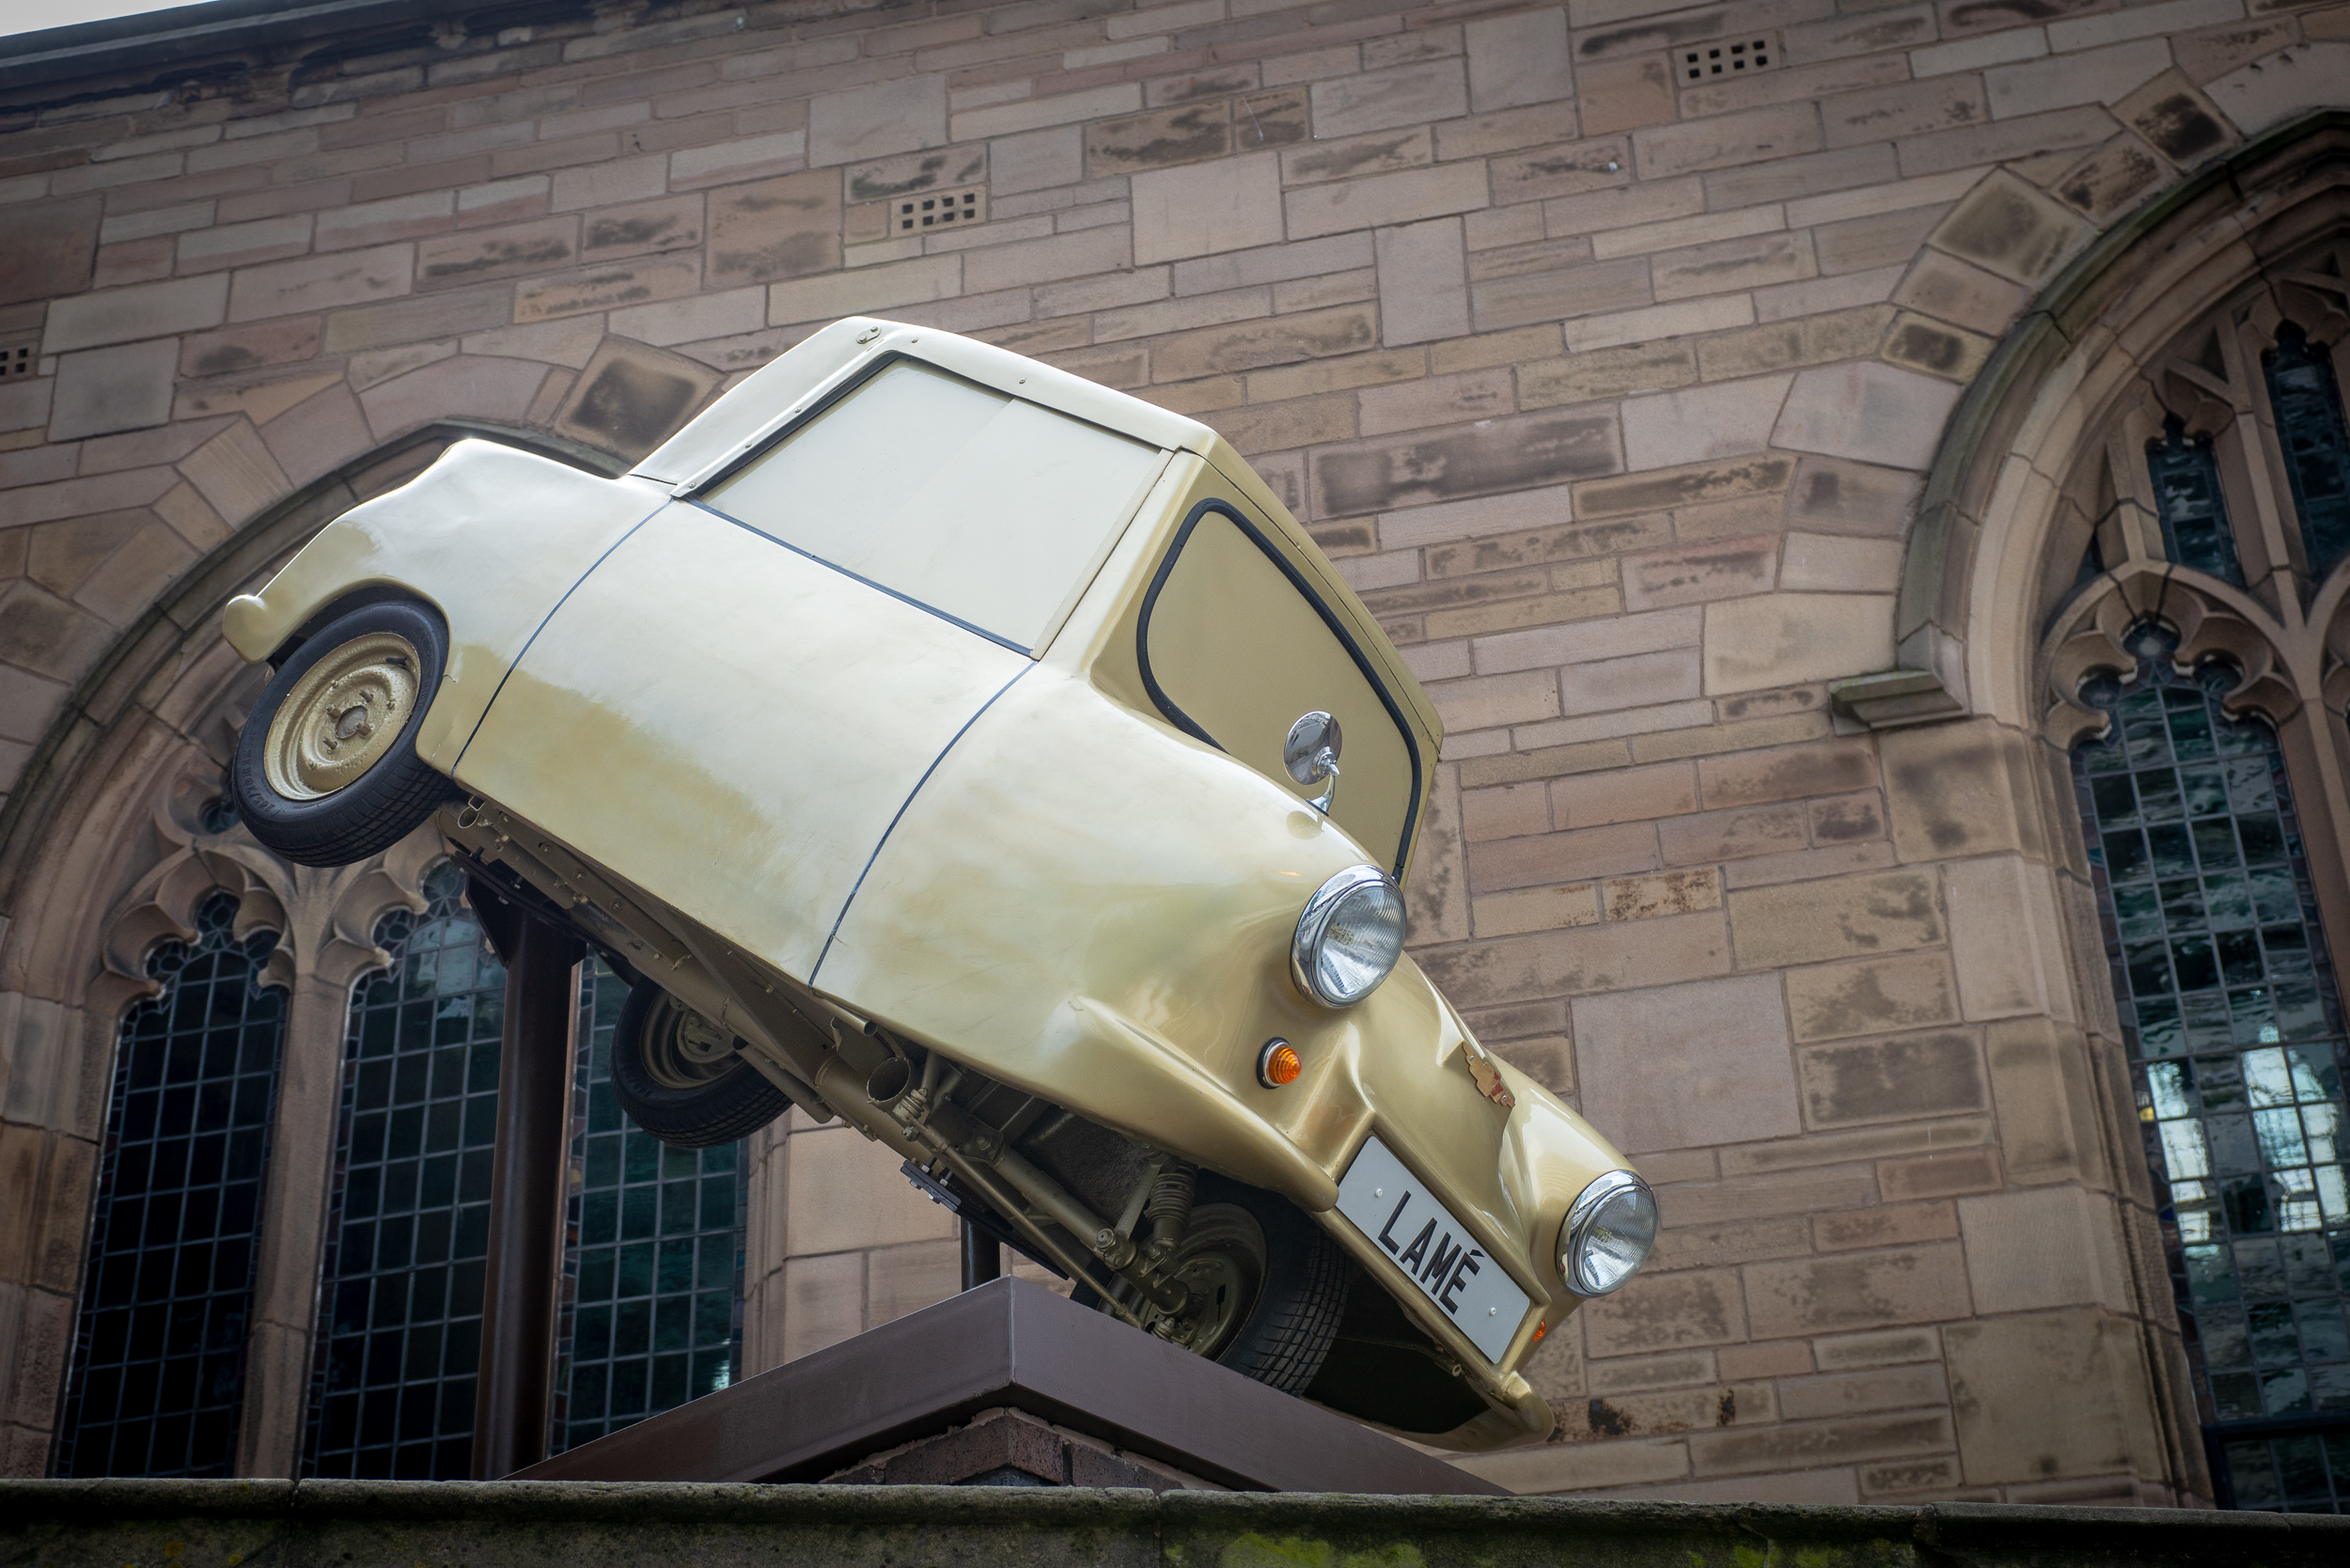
1311	755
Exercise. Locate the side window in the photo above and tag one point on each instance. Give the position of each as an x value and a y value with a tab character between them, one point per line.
1234	649
992	512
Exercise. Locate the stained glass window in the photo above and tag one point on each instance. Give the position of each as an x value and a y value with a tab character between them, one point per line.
158	1353
653	1263
400	1331
2193	512
2234	1024
2308	404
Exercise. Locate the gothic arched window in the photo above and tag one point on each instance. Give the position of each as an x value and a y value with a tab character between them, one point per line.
2198	630
158	1376
400	1318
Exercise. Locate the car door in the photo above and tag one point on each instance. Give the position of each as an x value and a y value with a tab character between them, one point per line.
735	704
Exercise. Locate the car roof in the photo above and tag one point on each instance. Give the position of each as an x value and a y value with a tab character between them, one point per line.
746	418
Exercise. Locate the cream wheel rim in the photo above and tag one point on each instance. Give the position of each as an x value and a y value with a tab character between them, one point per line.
342	716
682	1049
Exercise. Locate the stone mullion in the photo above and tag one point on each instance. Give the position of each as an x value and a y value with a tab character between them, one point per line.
2263	473
294	1230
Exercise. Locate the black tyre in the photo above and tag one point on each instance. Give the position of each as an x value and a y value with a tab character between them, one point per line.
326	771
680	1080
1268	1288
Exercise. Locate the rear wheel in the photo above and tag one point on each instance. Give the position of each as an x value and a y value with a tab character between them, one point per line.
1265	1287
681	1078
326	771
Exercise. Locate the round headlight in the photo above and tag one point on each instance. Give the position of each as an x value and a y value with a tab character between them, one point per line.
1607	1233
1349	937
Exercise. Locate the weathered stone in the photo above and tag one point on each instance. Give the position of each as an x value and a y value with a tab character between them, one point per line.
1514	453
1866	412
2042	1397
2172	115
1702	483
1162	139
905	116
774	228
606	287
1820	1295
911	173
2010	228
1665	1311
487	253
1423	286
1588	959
1683	1066
1232	204
50	250
1842	917
630	397
1883	1080
126	388
673	223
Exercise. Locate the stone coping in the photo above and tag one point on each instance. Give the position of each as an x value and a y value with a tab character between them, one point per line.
199	1524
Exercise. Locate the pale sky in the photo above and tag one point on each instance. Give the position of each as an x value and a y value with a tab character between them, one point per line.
30	16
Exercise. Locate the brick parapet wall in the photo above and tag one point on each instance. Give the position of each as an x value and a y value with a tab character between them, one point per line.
1610	389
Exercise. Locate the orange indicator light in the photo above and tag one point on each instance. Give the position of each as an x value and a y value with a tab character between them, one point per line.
1540	1329
1278	1064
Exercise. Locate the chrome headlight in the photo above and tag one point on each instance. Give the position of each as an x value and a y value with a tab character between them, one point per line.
1607	1233
1349	937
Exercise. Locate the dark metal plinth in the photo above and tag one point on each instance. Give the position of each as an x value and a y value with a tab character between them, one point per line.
1009	1344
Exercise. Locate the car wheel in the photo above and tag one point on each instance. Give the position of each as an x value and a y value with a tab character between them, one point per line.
326	771
1267	1288
679	1077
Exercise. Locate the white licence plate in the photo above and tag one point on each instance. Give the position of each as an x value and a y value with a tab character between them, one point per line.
1392	1206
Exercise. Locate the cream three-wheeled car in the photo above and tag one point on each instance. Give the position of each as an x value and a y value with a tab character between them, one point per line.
945	742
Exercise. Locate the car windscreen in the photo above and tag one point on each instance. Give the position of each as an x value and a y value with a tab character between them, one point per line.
993	511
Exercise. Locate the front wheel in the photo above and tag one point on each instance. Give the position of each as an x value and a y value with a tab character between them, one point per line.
682	1079
1265	1287
326	771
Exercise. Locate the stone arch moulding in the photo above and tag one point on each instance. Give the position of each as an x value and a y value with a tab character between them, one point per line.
1963	622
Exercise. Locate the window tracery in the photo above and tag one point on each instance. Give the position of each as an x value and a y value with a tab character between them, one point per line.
2198	678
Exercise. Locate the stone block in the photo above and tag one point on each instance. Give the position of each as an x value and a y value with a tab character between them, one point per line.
1885	1225
235	474
1035	114
51	245
1751	778
2007	226
645	228
2045	1247
1660	1414
1626	794
1580	290
1382	199
1599	167
1423	282
125	387
1787	178
692	169
495	389
1939	1074
1231	204
1682	1066
864	123
2043	1397
608	182
2006	936
630	397
903	1280
2041	1080
1753	137
1890	1348
1646	897
1695	574
1035	162
847	1192
1246	346
1624	94
1938	1175
824	1302
1863	1290
236	245
1834	495
2176	119
768	230
2112	180
1721	267
1802	1447
1413	94
1515	60
1665	1312
424	318
1716	314
1606	373
1190	133
322	283
1701	423
1534	909
1637	680
2104	75
1520	452
1722	836
1753	644
1839	917
1041	261
1589	959
1833	1394
915	172
480	254
1869	413
1957	790
83	321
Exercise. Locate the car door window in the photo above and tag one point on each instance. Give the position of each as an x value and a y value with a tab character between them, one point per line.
1236	645
993	511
